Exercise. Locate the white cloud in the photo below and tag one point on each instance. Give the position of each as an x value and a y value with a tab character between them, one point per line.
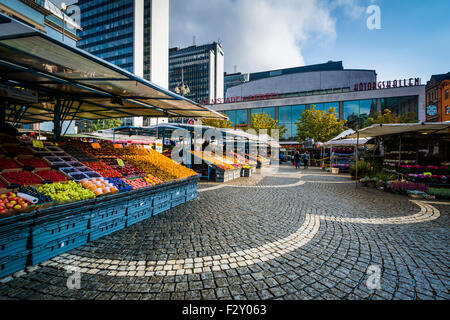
256	34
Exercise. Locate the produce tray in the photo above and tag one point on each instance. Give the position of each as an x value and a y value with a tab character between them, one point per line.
56	247
13	263
107	228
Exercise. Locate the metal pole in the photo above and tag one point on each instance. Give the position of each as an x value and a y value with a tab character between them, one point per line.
57	120
357	148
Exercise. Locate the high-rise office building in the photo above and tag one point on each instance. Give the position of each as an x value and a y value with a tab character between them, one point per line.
132	34
201	68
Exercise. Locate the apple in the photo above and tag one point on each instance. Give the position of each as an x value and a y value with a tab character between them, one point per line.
17	207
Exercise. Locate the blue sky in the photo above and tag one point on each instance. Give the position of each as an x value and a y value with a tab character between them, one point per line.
260	35
414	40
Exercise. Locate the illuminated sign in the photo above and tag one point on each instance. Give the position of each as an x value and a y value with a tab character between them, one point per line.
255	97
365	86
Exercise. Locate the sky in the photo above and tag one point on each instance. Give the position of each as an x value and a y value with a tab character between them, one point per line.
259	35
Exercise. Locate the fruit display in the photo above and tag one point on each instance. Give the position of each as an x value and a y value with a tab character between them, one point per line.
2	184
154	163
34	162
18	150
50	175
34	193
10	202
213	160
8	163
66	191
120	184
137	183
153	180
23	178
103	169
127	170
78	154
99	186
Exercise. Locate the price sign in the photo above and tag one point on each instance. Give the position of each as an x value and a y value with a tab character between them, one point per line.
147	147
96	145
120	162
38	144
118	146
159	146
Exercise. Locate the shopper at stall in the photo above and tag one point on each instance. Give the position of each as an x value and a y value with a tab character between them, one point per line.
297	159
306	159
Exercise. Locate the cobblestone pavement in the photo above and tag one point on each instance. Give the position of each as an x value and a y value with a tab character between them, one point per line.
291	235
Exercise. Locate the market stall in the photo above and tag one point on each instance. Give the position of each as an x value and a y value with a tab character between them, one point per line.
60	193
415	156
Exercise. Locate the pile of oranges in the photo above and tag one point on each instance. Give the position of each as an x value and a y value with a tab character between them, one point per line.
99	186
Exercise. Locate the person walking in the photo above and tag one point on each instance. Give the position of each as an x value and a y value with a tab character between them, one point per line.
306	160
297	159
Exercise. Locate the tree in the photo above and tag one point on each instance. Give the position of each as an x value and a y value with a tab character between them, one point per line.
96	125
264	121
217	123
319	125
388	117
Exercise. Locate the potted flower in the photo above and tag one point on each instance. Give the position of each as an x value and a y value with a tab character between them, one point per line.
380	185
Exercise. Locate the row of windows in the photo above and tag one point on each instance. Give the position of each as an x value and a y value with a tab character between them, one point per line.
92	31
113	10
355	112
127	31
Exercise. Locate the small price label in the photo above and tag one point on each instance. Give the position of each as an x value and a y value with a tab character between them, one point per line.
96	145
38	144
147	147
118	146
120	162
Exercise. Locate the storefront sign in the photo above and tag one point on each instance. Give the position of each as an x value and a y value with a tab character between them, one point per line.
366	86
431	112
256	97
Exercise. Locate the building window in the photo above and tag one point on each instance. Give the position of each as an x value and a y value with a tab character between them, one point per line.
241	117
446	94
447	110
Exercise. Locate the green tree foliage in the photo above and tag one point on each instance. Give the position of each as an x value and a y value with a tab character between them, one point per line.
388	117
217	123
319	125
95	125
265	121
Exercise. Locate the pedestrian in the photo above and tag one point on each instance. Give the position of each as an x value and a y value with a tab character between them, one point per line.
306	160
297	159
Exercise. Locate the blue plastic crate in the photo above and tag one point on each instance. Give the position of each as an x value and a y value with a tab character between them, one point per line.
13	263
191	195
178	192
58	228
162	197
192	186
54	248
14	240
107	212
178	201
107	228
139	216
140	204
161	207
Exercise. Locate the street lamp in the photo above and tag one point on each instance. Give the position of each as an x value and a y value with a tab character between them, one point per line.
182	88
64	8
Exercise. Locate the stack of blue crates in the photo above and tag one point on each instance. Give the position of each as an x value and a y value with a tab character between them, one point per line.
58	233
191	191
107	218
162	202
178	196
13	247
139	209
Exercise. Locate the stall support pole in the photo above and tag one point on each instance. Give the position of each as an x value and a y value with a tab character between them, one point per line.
2	112
399	153
357	149
57	120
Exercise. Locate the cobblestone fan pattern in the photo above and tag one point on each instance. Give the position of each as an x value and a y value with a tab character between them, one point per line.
312	236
